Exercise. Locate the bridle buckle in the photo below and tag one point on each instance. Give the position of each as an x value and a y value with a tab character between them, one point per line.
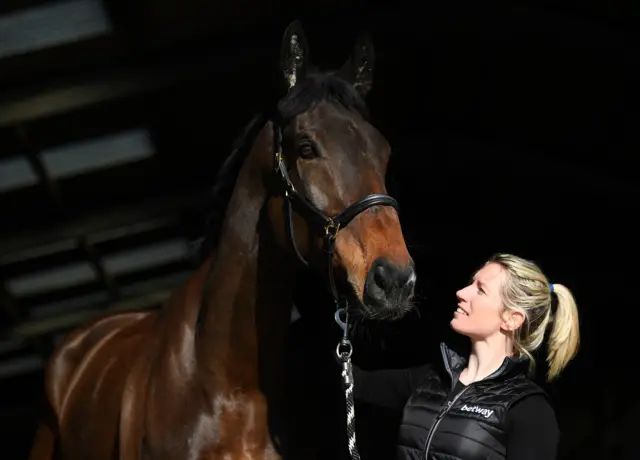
331	229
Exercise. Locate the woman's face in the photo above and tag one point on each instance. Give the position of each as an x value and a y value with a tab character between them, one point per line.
480	312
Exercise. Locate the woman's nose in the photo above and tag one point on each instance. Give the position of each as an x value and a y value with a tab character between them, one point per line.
461	294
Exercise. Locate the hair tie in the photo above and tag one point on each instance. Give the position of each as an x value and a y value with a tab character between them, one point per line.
551	288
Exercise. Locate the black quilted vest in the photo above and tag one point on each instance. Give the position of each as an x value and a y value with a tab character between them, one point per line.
466	426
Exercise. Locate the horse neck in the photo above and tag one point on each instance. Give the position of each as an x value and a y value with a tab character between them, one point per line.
243	322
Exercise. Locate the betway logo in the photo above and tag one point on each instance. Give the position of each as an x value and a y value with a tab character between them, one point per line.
477	410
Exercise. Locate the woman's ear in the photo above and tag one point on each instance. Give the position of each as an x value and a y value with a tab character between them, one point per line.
512	320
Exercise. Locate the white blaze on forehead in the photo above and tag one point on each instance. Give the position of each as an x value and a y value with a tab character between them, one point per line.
318	197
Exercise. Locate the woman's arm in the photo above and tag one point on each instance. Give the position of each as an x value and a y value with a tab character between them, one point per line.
389	388
532	430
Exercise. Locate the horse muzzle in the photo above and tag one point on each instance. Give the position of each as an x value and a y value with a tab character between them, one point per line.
389	286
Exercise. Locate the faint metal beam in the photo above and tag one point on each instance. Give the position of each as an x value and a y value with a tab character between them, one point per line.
9	304
10	346
78	92
48	25
16	173
103	220
94	259
48	182
21	365
42	327
97	153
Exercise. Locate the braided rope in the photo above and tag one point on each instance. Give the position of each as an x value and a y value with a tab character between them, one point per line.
347	384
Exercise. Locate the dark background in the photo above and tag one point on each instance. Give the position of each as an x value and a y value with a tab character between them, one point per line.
510	123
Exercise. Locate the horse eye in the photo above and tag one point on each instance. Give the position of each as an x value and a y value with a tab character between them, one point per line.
307	151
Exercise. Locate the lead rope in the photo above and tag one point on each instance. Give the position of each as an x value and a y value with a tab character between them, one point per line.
344	349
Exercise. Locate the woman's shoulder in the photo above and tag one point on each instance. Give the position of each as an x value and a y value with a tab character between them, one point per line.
532	429
521	388
533	409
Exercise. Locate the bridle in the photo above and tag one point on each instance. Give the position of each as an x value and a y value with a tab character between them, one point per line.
328	227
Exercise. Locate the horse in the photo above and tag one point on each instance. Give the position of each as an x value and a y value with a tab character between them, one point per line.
201	378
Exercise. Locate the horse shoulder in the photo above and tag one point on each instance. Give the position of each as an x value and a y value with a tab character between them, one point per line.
67	361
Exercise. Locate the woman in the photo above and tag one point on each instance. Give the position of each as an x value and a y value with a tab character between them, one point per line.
485	406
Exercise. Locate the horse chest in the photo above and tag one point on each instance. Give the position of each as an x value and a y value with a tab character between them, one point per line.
237	429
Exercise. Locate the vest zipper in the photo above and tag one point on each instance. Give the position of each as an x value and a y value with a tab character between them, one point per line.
441	413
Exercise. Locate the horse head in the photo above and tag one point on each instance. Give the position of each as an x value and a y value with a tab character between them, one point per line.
332	163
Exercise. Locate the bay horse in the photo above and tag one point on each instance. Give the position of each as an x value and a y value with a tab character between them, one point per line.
201	378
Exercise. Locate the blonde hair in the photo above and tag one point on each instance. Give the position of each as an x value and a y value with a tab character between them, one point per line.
526	289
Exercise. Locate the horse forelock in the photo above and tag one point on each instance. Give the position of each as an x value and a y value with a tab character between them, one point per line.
317	88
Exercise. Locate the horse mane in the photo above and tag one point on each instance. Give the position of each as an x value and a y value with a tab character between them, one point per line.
315	88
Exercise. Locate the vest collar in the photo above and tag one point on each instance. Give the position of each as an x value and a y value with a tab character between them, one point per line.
454	363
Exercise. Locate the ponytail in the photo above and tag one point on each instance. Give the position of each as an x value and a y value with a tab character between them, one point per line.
527	290
564	338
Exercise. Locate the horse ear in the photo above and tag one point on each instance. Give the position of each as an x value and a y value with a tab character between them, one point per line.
294	54
359	67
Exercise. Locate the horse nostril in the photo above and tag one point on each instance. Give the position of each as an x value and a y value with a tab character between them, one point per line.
380	277
388	285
